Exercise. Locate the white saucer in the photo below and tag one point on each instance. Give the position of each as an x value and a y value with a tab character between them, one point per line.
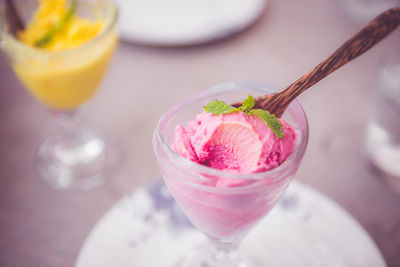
147	228
184	22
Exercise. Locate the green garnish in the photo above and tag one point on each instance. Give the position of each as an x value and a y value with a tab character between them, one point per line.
248	104
58	26
217	107
269	119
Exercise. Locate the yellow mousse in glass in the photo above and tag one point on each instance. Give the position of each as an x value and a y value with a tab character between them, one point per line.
70	56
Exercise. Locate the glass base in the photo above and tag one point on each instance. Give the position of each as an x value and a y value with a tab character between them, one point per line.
77	161
205	256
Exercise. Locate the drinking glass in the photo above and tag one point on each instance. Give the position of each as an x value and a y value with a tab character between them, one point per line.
366	10
383	128
73	158
224	214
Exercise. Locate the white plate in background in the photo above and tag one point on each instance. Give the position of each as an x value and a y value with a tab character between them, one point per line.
184	22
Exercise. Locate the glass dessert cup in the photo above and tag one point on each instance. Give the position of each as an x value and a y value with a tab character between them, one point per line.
73	158
225	214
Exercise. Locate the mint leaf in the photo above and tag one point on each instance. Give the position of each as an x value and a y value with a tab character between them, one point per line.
219	107
248	104
270	119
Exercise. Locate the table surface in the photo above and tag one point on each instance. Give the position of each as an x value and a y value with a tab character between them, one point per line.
43	227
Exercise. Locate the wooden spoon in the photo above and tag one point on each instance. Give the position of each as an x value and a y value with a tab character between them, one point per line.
14	21
371	34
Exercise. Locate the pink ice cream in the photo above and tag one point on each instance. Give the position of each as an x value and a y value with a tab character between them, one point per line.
239	144
234	142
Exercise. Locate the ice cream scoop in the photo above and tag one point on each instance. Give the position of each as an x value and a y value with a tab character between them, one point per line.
366	38
234	142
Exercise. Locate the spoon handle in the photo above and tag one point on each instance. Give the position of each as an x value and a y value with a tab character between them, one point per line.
371	34
12	17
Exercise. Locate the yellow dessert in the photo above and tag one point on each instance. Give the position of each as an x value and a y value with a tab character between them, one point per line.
73	32
68	68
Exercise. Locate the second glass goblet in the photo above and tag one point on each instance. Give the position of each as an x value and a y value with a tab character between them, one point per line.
224	214
73	158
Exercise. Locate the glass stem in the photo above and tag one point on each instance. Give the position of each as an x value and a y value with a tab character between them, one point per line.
68	122
225	252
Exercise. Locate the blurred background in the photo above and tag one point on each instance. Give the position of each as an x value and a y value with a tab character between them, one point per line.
157	64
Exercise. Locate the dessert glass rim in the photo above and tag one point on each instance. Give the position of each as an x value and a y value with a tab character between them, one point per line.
8	39
277	173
